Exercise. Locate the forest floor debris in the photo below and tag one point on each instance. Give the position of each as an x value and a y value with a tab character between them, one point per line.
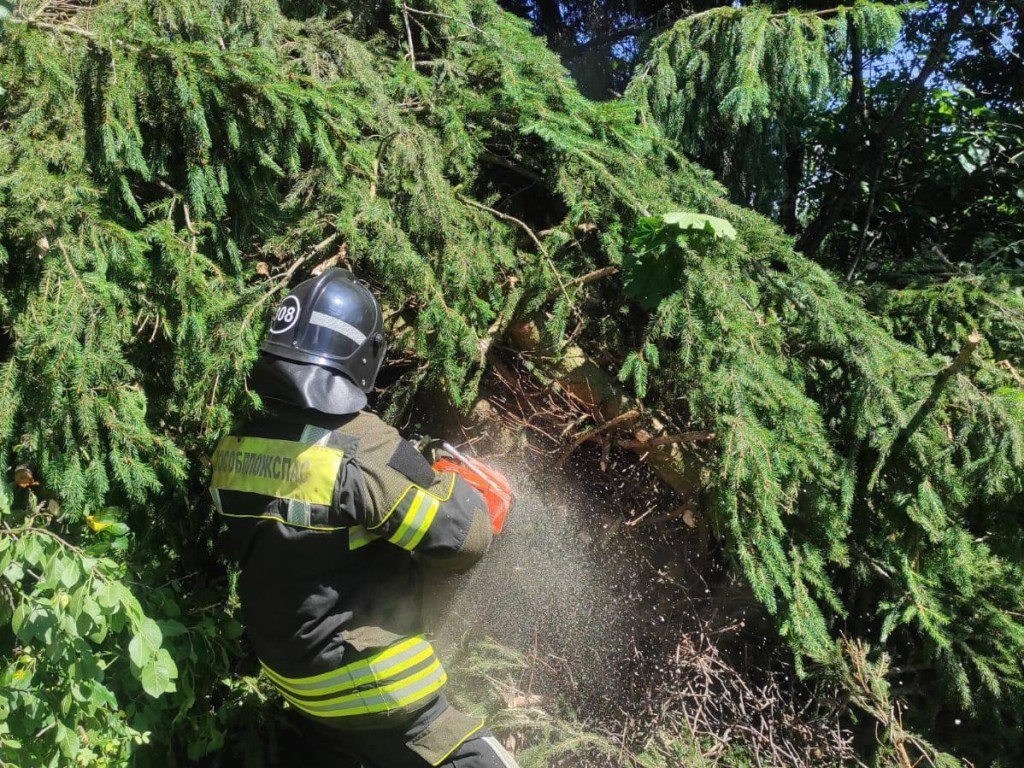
627	637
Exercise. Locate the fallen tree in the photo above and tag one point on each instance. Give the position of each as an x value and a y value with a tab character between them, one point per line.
167	169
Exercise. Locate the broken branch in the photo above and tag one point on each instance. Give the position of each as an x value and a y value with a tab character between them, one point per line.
618	421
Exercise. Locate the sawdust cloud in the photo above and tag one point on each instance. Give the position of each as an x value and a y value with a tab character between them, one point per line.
564	581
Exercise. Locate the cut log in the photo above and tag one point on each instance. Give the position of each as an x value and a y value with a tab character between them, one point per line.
598	389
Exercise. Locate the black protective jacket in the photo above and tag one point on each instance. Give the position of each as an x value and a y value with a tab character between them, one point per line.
327	517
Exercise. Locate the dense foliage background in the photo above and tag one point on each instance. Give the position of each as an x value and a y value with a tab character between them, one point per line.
168	167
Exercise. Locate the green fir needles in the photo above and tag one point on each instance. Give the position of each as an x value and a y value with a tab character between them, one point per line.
166	168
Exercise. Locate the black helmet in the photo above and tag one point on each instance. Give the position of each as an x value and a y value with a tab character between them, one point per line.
332	322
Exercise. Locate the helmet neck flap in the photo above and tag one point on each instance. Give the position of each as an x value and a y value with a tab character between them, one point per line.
306	386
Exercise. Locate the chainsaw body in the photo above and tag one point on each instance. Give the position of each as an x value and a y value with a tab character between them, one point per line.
491	484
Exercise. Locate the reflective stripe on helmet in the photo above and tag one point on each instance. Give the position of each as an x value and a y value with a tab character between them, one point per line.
417	520
282	468
339	326
404	674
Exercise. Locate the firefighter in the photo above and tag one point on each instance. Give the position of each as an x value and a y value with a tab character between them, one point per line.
330	514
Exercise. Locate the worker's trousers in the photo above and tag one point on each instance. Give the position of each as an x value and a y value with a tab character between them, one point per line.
395	746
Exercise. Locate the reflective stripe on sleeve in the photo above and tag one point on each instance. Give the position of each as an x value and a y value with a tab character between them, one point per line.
282	468
397	695
417	521
397	677
359	537
300	512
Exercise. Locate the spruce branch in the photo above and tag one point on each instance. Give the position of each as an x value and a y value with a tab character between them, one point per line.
877	142
448	17
529	231
63	29
496	159
593	276
411	55
942	378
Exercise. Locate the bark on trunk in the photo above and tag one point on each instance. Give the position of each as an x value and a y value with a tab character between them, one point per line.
580	376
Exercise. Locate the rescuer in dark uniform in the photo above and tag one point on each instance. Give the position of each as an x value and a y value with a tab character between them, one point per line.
329	513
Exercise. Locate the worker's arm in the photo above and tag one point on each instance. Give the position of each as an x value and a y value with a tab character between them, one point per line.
435	514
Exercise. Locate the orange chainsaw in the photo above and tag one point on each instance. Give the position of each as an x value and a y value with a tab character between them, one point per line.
492	485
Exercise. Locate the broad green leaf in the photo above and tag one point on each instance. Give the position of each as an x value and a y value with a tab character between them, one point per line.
231	630
100	634
108	595
151	636
686	220
137	653
31	551
164	658
156	676
653	266
18	619
172	628
70	574
67	740
14	573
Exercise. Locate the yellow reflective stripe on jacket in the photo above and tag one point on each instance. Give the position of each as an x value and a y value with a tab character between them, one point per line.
397	695
281	468
359	537
398	676
380	668
417	520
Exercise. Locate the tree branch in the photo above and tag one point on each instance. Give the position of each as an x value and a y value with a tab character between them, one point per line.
618	421
642	444
855	107
875	144
526	228
590	277
493	159
941	380
862	242
408	35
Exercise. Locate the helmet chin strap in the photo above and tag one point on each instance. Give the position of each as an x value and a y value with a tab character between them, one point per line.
306	386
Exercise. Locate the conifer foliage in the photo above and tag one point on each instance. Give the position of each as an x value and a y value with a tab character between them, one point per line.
166	168
745	81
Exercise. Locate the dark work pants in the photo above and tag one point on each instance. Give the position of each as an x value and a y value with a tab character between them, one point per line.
328	747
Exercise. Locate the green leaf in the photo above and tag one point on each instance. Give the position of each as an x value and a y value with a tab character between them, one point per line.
144	646
653	267
6	9
67	740
231	630
14	573
648	269
137	653
69	573
108	595
32	621
158	674
151	636
172	628
18	619
31	551
686	220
